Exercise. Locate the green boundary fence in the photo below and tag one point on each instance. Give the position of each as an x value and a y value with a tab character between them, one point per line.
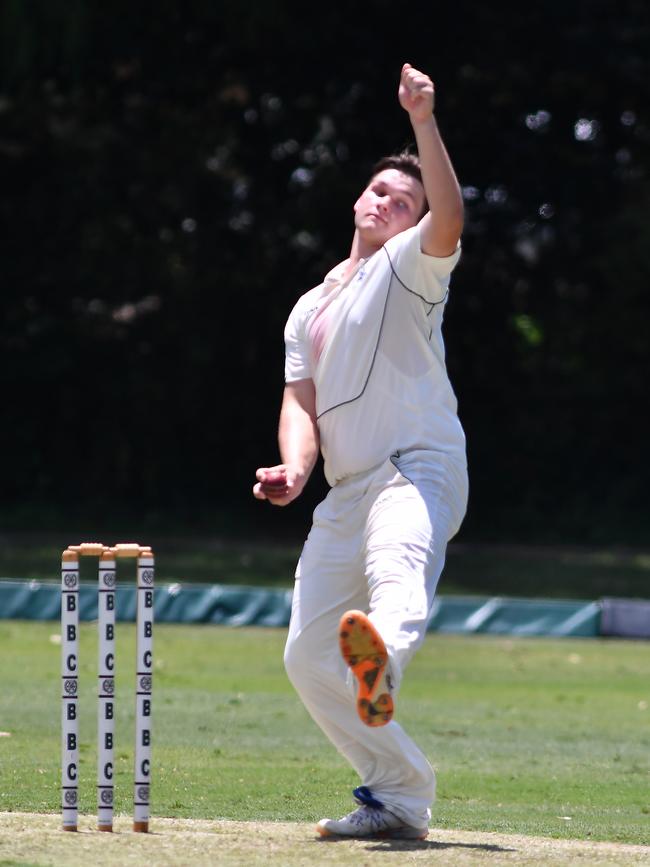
252	606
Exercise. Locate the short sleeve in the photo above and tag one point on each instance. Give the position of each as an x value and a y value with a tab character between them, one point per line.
427	276
297	363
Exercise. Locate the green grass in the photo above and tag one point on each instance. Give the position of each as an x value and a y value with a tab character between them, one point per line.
573	573
18	864
545	737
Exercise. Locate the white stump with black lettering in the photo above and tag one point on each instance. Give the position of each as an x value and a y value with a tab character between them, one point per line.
69	688
144	676
106	599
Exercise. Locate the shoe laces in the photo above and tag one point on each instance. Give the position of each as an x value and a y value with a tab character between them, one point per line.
365	816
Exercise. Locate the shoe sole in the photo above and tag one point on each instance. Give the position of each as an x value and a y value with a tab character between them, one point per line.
365	653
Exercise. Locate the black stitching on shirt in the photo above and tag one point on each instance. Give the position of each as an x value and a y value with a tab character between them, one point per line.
431	304
372	363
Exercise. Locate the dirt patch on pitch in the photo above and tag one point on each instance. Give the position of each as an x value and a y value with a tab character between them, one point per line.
32	839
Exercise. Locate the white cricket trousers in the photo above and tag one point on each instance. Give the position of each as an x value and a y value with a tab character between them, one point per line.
378	544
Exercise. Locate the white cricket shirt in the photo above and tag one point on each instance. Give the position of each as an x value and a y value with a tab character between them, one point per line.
373	347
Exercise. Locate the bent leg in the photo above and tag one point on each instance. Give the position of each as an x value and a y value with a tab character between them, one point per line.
406	536
330	581
386	759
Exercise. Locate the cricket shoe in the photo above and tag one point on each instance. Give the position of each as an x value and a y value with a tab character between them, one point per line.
364	651
368	821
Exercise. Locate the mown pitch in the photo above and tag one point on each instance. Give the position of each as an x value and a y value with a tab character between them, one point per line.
29	839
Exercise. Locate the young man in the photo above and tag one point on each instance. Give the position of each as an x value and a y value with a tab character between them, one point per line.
366	383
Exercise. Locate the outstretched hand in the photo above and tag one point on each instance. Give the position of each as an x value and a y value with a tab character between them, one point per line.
416	93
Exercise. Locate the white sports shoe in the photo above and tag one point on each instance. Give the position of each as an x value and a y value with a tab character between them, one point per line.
370	822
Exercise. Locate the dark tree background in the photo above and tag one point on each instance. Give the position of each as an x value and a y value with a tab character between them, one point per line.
175	174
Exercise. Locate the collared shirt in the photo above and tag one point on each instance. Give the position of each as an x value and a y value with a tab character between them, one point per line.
372	344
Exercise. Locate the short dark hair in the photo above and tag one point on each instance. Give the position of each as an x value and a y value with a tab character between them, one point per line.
406	162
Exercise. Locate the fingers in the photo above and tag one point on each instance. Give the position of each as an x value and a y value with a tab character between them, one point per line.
272	484
281	497
258	493
272	481
416	93
272	476
414	80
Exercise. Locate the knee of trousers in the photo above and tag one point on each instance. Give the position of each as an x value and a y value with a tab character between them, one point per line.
431	784
305	663
297	662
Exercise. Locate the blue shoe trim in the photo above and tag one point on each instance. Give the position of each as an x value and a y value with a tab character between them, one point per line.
363	795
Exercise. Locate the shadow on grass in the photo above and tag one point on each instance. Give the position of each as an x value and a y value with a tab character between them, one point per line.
387	845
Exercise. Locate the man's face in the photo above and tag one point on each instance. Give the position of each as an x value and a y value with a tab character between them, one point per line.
391	203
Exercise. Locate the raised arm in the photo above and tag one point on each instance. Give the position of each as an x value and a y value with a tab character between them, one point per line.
440	229
299	444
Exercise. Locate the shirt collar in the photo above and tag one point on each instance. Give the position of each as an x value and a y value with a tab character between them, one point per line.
337	272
